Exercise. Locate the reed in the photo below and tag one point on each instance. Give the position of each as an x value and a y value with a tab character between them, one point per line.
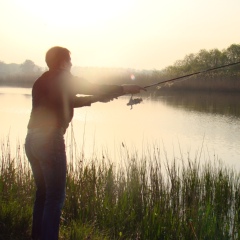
142	198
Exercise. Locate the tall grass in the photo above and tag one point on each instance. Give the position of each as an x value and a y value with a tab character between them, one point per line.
144	198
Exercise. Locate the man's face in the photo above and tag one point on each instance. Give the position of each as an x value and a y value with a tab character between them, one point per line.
66	65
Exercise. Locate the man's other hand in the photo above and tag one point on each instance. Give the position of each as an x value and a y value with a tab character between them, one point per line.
132	89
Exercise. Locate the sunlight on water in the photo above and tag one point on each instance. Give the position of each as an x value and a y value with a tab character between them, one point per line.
10	90
15	108
175	131
112	129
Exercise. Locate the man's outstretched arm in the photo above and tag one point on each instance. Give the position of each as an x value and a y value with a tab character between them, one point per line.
88	100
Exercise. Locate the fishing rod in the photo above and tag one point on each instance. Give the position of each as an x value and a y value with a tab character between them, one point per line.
191	74
134	101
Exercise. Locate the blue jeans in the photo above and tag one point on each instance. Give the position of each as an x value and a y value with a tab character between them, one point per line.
45	149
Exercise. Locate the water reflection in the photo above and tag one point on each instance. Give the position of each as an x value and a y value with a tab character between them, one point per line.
16	90
178	125
214	103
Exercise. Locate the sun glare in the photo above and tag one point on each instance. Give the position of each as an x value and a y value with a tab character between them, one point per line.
132	76
73	13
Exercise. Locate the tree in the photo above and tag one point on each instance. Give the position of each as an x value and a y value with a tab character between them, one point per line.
233	53
2	66
29	67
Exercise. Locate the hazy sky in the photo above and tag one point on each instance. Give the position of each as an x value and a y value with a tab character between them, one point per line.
140	34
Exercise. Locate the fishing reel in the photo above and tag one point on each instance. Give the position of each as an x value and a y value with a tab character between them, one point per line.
134	101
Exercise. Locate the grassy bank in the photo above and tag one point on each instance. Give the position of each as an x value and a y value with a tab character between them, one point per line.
144	198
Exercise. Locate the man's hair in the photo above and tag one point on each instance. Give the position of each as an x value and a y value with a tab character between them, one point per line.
56	55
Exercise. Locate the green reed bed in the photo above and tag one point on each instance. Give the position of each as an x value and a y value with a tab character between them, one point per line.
142	198
16	194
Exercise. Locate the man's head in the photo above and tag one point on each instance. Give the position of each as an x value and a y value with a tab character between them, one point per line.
58	58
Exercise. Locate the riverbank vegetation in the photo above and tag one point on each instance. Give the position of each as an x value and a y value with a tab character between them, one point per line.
144	197
224	80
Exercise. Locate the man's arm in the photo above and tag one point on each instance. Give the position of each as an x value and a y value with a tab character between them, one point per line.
81	86
82	101
88	100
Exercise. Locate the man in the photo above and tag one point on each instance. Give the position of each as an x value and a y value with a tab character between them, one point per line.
53	102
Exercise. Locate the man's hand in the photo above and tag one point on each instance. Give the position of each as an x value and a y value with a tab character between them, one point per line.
127	89
132	89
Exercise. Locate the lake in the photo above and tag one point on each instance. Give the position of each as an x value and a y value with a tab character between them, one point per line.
195	126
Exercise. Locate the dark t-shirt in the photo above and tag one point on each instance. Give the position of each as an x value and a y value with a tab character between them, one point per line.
54	98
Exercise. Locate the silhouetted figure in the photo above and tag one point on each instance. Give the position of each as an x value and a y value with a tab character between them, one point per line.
53	102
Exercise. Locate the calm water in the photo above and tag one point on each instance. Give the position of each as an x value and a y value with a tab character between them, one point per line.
206	127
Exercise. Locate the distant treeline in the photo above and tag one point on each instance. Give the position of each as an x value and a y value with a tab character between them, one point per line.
225	79
19	74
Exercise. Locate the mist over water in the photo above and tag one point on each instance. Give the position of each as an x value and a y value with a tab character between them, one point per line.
205	127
